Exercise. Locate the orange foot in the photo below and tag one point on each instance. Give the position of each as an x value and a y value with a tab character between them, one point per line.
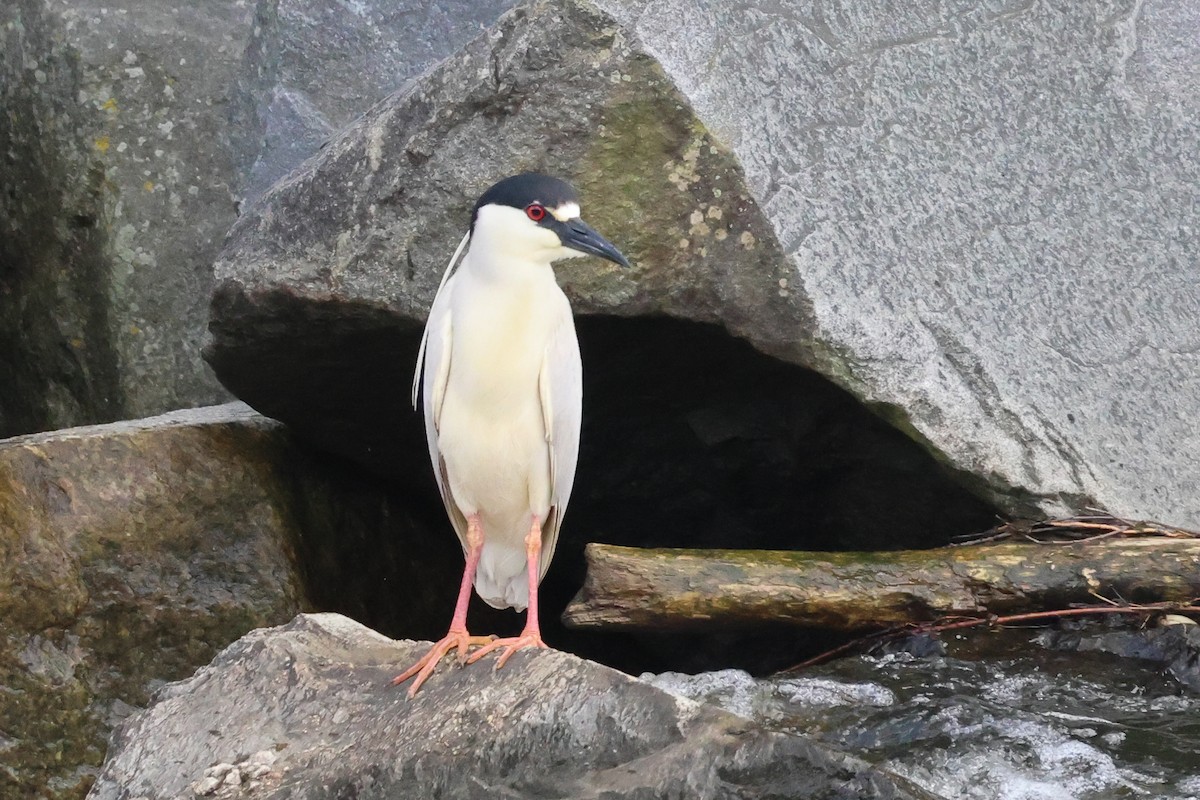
424	668
511	645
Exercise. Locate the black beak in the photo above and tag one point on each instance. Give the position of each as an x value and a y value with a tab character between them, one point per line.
578	235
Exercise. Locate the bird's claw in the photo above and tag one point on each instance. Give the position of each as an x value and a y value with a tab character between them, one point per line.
511	645
459	640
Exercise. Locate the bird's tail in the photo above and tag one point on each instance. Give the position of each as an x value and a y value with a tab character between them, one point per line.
500	578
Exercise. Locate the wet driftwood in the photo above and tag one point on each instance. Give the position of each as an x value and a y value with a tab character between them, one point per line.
671	590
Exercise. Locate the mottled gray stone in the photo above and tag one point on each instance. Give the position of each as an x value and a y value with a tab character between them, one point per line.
130	130
57	361
312	67
978	219
992	208
155	78
311	702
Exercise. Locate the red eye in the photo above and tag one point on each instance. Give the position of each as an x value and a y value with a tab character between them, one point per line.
536	212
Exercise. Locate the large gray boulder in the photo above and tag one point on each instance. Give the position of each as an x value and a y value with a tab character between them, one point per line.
975	221
130	138
992	212
125	120
306	711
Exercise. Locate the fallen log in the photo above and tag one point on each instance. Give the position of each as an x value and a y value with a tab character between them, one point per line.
674	590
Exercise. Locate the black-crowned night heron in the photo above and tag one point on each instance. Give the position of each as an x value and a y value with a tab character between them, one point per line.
502	384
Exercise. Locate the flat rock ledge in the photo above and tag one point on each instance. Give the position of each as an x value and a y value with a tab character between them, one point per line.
305	710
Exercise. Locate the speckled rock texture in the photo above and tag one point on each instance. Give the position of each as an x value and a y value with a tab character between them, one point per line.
131	553
992	211
976	219
134	108
313	66
131	131
57	358
306	711
323	285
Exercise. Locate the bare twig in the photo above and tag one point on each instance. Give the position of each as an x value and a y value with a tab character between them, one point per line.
1083	528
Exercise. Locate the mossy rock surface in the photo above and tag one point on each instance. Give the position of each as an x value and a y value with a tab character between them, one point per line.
131	553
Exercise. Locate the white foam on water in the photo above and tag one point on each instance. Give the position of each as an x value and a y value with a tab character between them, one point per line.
738	692
828	693
970	731
1191	785
1019	759
732	689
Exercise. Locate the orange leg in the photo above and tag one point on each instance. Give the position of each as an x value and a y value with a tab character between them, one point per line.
457	637
532	635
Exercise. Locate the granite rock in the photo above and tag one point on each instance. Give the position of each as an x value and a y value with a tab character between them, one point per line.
975	219
991	210
312	67
306	711
128	127
131	132
57	356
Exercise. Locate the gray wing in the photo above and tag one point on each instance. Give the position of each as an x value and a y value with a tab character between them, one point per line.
433	371
561	386
441	290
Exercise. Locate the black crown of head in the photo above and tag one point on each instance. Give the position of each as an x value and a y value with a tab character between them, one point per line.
518	191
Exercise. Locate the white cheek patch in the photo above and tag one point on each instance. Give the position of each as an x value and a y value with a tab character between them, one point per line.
565	212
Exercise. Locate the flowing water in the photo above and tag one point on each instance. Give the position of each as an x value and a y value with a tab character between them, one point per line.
1009	721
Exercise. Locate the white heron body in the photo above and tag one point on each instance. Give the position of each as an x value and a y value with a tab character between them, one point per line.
503	399
503	395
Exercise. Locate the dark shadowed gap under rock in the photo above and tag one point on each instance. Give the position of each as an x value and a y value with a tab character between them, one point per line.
691	438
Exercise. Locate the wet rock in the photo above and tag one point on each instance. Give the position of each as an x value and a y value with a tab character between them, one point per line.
917	234
996	717
131	553
1176	647
311	700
